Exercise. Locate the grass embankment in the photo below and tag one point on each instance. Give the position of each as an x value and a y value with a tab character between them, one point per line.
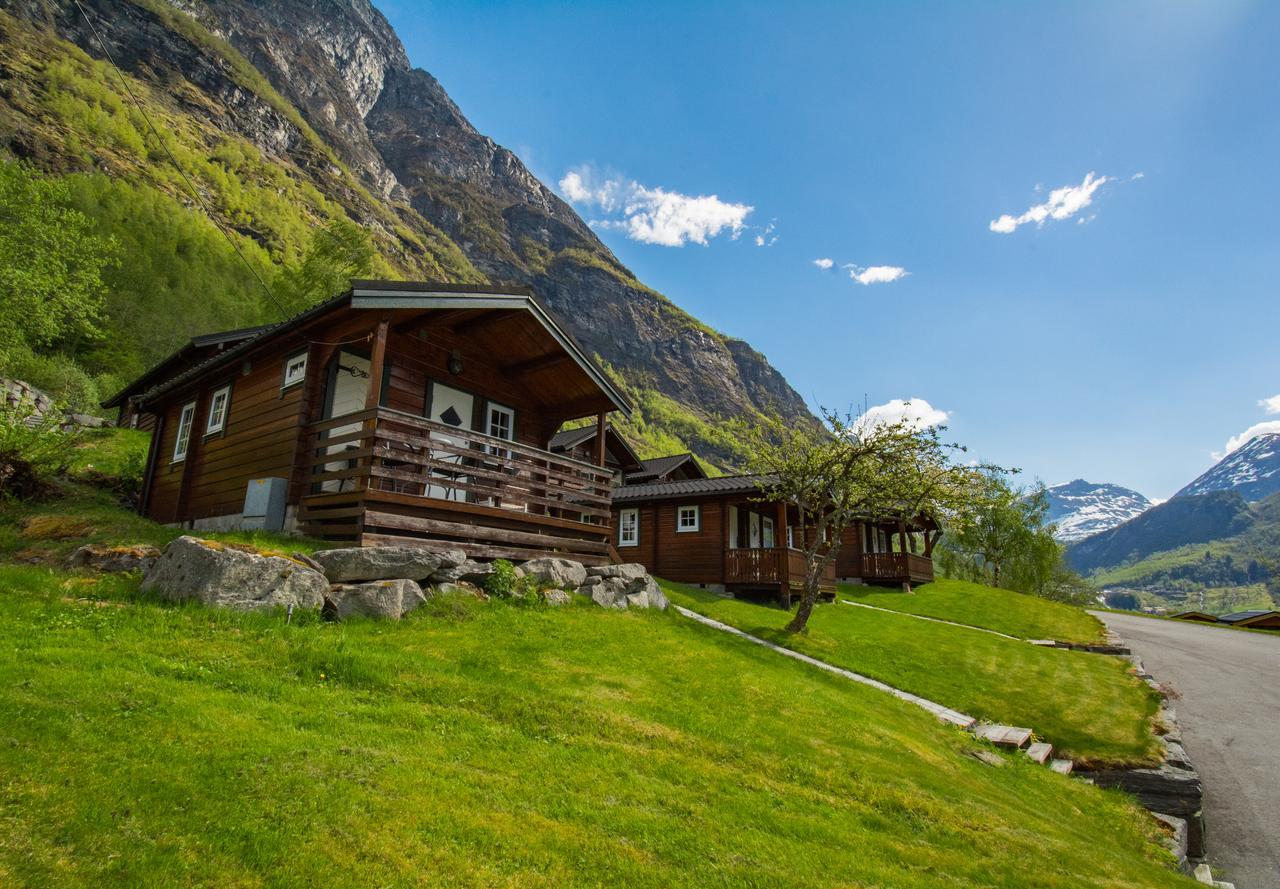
1090	707
1027	617
483	743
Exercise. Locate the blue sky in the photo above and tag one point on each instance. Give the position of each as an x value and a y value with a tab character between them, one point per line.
1126	341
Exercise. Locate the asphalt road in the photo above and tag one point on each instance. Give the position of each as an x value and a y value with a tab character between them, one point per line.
1229	712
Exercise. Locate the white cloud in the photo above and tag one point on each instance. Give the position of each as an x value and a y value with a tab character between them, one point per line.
1138	175
1063	203
876	274
1263	428
918	413
824	263
1270	405
655	215
759	240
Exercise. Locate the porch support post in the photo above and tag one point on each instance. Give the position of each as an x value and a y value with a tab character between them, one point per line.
780	526
902	537
377	363
602	420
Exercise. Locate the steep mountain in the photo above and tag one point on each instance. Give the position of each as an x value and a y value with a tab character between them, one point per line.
1251	470
292	113
1177	522
1080	508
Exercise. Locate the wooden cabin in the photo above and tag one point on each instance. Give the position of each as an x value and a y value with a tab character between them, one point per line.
1255	620
396	412
1197	616
895	552
677	467
581	443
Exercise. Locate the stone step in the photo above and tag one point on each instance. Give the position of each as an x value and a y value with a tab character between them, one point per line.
1003	735
1062	766
1039	752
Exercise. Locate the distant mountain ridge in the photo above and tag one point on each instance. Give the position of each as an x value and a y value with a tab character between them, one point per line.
1080	508
1251	470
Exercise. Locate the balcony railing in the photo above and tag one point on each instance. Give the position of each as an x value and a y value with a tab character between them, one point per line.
384	450
897	567
769	566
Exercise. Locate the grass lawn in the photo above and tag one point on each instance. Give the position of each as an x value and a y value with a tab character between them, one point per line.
1027	617
484	744
1087	705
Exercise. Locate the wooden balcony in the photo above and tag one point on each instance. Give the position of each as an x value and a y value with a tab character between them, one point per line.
382	476
896	568
770	567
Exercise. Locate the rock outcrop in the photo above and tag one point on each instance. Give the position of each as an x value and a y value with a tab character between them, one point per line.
391	599
362	563
222	576
99	557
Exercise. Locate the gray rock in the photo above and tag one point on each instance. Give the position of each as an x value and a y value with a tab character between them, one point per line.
461	588
469	571
98	557
554	571
360	563
611	593
619	592
390	599
557	597
226	577
628	571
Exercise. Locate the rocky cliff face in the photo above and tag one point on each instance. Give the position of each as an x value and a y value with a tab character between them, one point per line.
339	63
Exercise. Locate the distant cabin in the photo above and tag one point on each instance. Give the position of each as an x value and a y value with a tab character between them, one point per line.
1198	616
723	533
1254	620
393	413
581	443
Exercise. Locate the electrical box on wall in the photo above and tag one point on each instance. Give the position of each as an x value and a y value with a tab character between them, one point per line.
264	504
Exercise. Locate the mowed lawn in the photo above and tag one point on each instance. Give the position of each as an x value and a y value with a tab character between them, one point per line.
488	744
1005	611
1089	706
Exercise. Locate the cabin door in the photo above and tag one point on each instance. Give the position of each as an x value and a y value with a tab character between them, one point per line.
449	407
348	388
754	529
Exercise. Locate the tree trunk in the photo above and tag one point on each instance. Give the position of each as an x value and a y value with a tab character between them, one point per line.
807	602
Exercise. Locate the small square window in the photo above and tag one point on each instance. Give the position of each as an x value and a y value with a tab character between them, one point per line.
295	370
688	518
218	406
629	527
185	421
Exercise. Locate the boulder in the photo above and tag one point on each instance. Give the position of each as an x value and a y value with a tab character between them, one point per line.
627	571
98	557
610	592
645	593
226	577
461	588
616	592
379	598
470	571
416	563
554	571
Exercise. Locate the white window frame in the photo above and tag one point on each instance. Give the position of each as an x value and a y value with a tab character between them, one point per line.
493	407
768	539
290	379
634	516
212	425
681	528
186	420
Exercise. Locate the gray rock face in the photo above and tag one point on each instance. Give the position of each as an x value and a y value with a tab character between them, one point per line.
391	599
223	577
97	557
554	571
628	571
556	597
415	563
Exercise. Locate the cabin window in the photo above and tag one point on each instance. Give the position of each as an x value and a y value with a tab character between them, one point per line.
218	410
295	370
185	421
629	527
501	422
766	529
688	518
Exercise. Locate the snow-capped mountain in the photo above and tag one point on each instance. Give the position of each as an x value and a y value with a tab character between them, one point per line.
1252	470
1081	508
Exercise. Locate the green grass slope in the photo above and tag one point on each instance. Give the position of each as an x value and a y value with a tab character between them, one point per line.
483	744
978	605
1088	706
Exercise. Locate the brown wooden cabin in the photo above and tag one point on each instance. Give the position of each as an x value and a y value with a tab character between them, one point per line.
1197	616
1256	620
713	532
894	552
581	444
677	467
196	351
396	412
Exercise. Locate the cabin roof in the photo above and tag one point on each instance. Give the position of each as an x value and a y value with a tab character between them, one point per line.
185	351
401	295
657	467
1241	616
567	439
1195	615
692	487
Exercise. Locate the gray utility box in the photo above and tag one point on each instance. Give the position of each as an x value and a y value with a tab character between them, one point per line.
264	504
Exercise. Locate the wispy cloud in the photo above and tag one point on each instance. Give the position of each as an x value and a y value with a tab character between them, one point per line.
1263	428
1138	175
876	274
1063	203
766	237
1270	405
655	215
917	412
824	263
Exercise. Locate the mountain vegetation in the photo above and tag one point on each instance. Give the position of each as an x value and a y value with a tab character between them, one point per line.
247	155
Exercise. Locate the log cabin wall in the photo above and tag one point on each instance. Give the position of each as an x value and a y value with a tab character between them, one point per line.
849	556
683	556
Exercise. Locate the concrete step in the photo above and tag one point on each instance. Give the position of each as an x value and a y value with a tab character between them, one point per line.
1039	752
1062	766
1003	735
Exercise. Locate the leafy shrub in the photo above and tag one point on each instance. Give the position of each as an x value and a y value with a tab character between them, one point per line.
502	582
58	375
32	451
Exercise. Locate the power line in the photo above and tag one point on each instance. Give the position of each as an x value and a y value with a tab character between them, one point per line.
190	185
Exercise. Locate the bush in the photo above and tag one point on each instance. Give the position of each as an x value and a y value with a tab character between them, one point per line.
58	375
32	451
502	582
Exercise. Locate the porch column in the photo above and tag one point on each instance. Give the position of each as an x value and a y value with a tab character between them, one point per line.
601	420
902	537
376	364
780	525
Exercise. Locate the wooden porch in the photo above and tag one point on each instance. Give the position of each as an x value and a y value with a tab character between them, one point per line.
771	567
896	568
381	476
